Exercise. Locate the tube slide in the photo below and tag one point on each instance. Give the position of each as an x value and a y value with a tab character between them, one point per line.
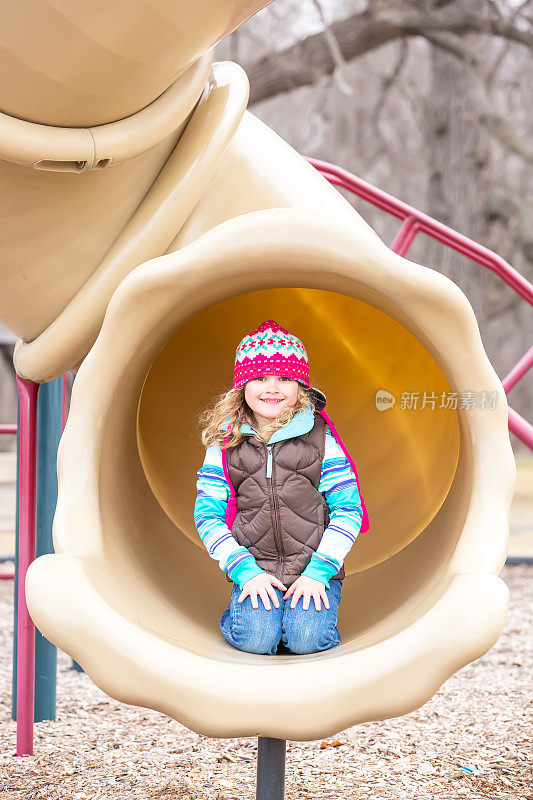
131	593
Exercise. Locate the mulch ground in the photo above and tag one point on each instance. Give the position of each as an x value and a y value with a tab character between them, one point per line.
473	739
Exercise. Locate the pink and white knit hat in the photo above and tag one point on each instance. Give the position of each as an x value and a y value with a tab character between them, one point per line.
272	350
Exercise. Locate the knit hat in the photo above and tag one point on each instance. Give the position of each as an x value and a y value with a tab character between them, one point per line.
272	350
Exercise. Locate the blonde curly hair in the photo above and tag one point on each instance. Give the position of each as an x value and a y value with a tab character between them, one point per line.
232	405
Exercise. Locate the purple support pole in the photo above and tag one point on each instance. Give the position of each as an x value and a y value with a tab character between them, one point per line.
28	394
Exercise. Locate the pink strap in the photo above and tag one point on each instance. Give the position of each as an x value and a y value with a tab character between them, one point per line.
225	463
365	524
231	509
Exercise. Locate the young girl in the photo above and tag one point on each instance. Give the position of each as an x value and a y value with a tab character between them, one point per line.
296	508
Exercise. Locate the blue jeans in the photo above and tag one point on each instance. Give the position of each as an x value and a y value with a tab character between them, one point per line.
257	630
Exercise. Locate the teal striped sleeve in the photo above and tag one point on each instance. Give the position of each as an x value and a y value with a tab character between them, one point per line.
212	494
338	484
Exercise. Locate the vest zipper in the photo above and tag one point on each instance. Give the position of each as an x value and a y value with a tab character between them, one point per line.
274	506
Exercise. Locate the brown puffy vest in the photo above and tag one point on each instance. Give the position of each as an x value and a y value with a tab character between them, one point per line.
280	520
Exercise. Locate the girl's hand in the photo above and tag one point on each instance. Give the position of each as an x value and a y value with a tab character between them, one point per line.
308	587
262	584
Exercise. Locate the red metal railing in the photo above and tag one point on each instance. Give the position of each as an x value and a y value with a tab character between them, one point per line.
415	222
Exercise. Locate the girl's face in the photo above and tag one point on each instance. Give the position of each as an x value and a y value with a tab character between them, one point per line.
269	395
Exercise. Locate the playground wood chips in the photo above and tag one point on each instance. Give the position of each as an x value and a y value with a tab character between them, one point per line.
472	740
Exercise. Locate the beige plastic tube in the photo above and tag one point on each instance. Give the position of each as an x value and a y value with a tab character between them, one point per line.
79	65
131	593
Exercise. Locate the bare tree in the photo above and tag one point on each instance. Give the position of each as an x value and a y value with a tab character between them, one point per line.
444	23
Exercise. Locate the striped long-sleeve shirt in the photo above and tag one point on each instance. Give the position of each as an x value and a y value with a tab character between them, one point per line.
338	484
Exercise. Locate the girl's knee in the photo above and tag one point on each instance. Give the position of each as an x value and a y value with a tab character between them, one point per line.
264	642
304	640
252	631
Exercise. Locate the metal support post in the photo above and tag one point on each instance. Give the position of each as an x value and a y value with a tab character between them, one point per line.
270	768
28	393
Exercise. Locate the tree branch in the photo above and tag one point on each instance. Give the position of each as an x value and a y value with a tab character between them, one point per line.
335	52
305	62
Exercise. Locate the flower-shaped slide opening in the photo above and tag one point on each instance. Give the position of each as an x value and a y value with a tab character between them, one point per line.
124	532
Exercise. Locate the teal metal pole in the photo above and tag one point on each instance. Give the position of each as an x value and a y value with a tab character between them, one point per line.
75	664
49	429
